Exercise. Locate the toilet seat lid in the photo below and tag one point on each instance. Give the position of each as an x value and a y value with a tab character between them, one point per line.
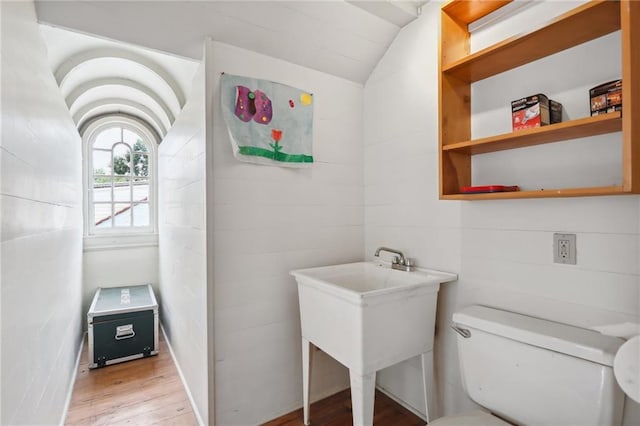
626	368
475	418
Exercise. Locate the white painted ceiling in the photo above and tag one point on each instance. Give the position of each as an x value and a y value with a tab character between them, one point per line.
100	77
342	38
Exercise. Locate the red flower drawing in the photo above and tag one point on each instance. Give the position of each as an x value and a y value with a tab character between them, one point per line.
276	134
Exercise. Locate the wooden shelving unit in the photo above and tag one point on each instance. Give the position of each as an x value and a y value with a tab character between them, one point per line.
589	126
459	68
542	193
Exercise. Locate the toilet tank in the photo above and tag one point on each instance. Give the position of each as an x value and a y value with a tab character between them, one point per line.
532	371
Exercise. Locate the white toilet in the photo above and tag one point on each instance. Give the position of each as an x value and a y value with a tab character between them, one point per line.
528	371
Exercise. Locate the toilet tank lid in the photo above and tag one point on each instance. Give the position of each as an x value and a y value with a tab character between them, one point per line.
578	342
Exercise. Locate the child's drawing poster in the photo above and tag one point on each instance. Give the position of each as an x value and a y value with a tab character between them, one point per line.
269	123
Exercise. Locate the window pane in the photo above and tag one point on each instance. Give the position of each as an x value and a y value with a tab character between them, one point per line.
102	215
101	188
141	164
141	214
140	190
121	159
122	189
140	147
131	138
122	214
101	162
120	180
107	138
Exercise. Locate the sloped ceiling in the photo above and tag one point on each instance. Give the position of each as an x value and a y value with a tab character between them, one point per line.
346	39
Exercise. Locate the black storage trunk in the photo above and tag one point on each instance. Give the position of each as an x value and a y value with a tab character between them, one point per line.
123	325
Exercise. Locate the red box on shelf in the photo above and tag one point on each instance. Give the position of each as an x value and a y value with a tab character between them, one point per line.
482	189
535	111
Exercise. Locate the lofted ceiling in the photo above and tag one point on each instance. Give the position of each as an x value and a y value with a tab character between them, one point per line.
342	38
99	77
106	55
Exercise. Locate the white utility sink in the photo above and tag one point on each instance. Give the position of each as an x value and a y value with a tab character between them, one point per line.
367	317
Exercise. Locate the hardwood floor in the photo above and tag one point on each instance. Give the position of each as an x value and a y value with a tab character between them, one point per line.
146	391
336	411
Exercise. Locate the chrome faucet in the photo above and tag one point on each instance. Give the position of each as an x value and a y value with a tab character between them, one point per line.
399	262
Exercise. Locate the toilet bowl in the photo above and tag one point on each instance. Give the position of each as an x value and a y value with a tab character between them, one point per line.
527	370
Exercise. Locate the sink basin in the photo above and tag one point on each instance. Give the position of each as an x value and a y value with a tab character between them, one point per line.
363	280
367	317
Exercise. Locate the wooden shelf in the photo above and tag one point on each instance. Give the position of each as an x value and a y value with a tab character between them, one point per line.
541	193
584	23
468	11
459	69
590	126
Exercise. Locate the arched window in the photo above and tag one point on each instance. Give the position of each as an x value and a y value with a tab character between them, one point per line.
120	177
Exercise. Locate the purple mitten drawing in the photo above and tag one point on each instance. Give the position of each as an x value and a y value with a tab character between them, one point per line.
264	110
245	106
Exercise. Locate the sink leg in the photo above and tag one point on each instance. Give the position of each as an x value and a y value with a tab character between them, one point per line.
427	376
307	360
363	389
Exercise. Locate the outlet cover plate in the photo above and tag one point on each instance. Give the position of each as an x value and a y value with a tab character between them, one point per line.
564	249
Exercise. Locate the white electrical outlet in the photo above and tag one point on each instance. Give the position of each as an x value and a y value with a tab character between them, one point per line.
564	248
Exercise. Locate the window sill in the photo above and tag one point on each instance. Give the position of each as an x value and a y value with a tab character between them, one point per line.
119	241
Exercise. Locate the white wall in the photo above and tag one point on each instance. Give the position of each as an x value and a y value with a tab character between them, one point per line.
269	220
507	246
401	177
182	242
115	267
41	228
501	249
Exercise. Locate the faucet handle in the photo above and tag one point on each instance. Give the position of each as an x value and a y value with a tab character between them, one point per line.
396	260
409	262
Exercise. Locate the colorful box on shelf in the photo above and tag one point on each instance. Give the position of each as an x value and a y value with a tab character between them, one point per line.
483	189
535	111
606	97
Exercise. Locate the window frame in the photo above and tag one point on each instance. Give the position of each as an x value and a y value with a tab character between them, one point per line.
116	235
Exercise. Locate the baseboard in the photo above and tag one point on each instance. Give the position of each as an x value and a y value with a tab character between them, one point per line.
315	398
194	408
67	403
403	403
327	393
332	391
